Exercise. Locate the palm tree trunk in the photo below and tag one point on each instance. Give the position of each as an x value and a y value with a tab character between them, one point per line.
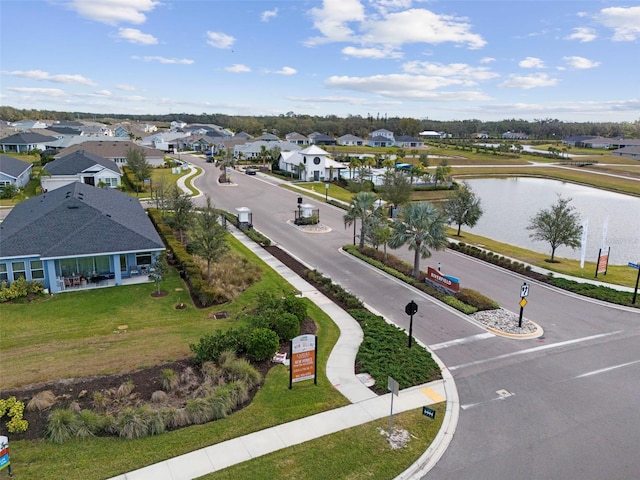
416	262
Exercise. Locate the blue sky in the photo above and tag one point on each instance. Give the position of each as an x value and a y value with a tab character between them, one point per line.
442	60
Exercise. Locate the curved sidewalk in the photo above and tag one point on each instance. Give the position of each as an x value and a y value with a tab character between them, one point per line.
365	406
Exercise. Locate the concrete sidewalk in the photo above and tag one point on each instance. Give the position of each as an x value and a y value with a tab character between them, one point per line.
365	406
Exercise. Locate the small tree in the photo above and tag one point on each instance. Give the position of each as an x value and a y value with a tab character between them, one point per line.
182	212
463	208
558	225
396	188
208	237
443	172
160	270
137	162
363	206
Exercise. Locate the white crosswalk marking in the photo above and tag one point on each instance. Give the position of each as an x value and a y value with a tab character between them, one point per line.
461	341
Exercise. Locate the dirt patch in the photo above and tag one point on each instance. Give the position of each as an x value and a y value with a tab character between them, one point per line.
161	293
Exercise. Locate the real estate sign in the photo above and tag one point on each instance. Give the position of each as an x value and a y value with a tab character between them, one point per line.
303	359
449	283
4	453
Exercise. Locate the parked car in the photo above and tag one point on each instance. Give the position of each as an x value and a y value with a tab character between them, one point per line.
250	171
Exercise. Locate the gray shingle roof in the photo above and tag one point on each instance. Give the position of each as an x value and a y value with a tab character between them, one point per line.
24	138
77	220
12	166
77	162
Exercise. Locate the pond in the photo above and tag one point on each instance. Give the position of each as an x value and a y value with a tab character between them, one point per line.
509	204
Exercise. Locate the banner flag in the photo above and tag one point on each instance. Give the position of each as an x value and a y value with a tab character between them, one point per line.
583	252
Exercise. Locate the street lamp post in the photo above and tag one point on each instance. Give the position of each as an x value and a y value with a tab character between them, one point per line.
326	192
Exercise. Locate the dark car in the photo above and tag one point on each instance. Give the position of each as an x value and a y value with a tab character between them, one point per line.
250	171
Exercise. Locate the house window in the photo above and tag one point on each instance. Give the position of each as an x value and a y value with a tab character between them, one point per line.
110	182
316	161
18	270
4	183
143	258
37	270
3	273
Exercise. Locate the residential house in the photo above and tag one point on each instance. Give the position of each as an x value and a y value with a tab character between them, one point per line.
98	130
312	164
165	141
122	131
381	138
116	151
83	167
253	150
349	140
407	141
480	135
268	137
296	138
432	134
317	138
177	124
28	124
515	136
24	142
76	237
628	152
14	172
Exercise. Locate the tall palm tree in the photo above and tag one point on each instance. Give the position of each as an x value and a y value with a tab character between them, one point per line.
421	226
362	206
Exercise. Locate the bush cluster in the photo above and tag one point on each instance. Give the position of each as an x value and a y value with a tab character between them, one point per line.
338	294
19	288
14	409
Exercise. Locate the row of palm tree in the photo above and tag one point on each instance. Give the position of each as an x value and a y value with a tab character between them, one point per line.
420	225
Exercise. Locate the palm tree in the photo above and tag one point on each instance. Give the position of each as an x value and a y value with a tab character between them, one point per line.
421	226
362	206
224	161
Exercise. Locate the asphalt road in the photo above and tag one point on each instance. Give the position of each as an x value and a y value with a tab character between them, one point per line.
559	407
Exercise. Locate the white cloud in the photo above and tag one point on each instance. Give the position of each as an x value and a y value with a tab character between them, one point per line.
220	40
371	53
127	88
182	61
269	14
531	62
46	76
53	92
529	81
420	26
103	93
487	60
466	73
332	19
598	108
237	68
405	86
625	22
286	71
580	63
134	35
583	34
386	6
113	12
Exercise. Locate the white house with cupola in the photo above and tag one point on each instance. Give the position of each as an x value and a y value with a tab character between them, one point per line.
311	164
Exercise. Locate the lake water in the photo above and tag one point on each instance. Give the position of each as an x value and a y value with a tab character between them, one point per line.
509	204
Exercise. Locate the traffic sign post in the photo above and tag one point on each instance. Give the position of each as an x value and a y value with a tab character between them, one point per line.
410	309
635	291
394	388
524	292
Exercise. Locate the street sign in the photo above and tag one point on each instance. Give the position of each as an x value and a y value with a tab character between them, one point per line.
524	290
411	308
393	386
426	411
634	265
523	302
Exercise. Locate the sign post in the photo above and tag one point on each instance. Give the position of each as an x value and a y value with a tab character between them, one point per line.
303	364
524	292
393	387
635	291
410	309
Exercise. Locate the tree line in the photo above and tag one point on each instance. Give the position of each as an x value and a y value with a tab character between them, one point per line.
358	125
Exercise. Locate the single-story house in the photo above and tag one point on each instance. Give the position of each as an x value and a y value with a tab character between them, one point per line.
28	124
349	140
433	134
83	167
311	164
296	138
317	138
629	152
78	236
515	136
380	141
268	137
116	151
24	142
253	150
407	141
14	172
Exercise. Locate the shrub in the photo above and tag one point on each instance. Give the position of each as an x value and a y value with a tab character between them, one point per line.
241	370
169	380
476	299
263	344
14	409
19	288
132	422
62	425
159	396
459	305
41	401
296	306
176	417
210	347
125	389
100	401
286	326
88	424
199	410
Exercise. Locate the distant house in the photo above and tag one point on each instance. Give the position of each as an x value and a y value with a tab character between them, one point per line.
628	152
14	172
296	138
83	167
317	138
28	124
116	151
177	124
121	131
349	140
268	137
24	142
253	150
480	135
312	164
515	136
432	134
76	237
407	141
